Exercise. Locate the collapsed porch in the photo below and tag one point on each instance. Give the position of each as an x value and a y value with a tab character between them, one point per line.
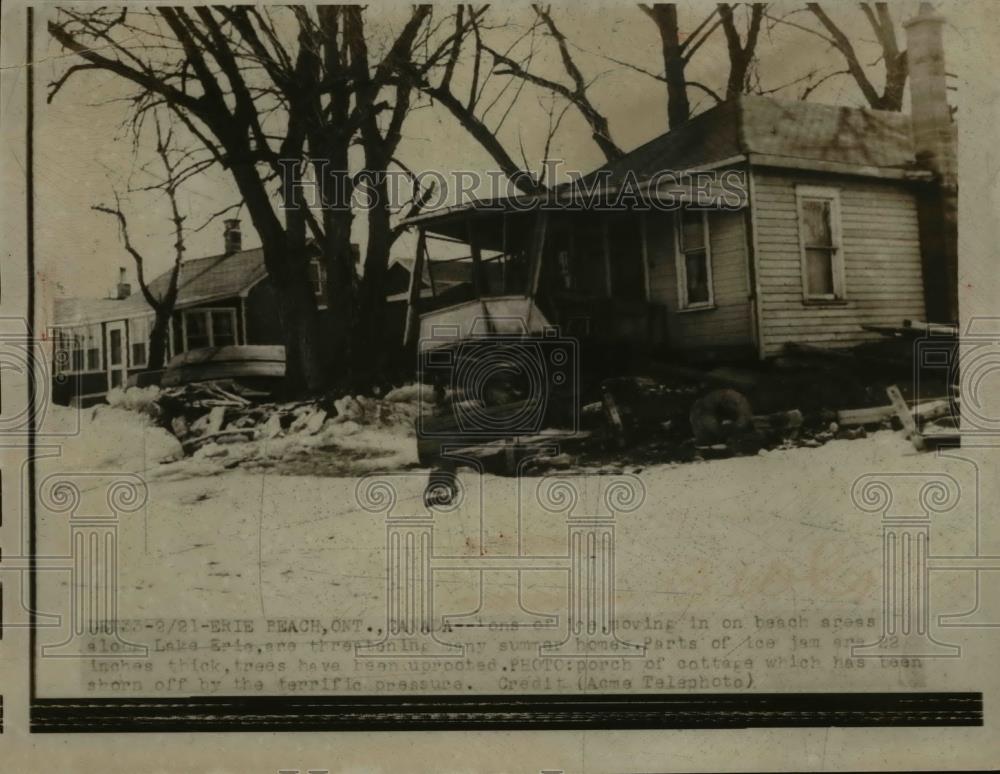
556	260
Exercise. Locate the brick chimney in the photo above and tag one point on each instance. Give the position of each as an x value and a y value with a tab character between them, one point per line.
934	143
123	289
232	236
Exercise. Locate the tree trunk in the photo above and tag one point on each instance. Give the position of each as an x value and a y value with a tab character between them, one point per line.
305	356
305	353
371	313
340	291
664	15
158	339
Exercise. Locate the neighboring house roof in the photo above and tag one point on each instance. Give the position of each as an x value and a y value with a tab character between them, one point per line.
219	276
201	280
81	311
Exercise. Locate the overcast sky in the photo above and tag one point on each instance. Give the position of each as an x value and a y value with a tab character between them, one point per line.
82	154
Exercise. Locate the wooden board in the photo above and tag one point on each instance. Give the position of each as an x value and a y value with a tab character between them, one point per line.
905	417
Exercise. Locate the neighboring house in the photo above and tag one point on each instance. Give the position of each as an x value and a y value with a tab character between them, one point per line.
222	299
843	222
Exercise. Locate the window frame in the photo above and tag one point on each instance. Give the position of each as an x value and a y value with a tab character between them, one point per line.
684	304
832	195
67	335
149	321
208	311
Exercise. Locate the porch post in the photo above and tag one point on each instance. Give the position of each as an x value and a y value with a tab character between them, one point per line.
477	259
413	300
537	248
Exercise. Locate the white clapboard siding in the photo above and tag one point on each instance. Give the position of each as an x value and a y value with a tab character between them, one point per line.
728	324
883	276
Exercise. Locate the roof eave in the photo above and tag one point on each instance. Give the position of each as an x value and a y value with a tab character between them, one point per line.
835	167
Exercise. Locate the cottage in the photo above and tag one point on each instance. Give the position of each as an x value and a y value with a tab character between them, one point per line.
222	299
789	222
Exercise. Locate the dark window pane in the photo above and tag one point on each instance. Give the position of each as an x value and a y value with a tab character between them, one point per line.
115	340
94	359
696	271
197	330
223	330
692	230
819	272
139	354
816	228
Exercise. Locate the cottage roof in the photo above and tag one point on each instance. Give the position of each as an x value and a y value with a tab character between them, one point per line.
766	132
201	280
776	133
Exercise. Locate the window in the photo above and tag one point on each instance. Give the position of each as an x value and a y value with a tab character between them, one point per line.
139	329
209	328
694	260
78	349
317	276
819	239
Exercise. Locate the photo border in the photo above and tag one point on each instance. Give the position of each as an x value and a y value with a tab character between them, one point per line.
442	712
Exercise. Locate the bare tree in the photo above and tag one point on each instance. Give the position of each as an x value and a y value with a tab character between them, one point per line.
891	57
741	52
174	172
264	106
676	53
434	78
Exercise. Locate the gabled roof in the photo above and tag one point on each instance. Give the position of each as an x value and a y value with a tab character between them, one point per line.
201	280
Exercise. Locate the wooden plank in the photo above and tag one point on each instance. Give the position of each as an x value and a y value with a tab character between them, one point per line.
905	417
865	416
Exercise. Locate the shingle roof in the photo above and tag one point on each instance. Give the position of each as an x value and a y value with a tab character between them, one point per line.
218	276
201	280
796	132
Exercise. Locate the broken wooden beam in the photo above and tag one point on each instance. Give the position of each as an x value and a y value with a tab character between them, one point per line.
931	410
905	415
865	416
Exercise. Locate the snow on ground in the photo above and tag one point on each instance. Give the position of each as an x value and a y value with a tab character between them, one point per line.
207	527
775	533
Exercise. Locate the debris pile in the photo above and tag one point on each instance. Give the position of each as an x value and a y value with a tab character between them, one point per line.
226	425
